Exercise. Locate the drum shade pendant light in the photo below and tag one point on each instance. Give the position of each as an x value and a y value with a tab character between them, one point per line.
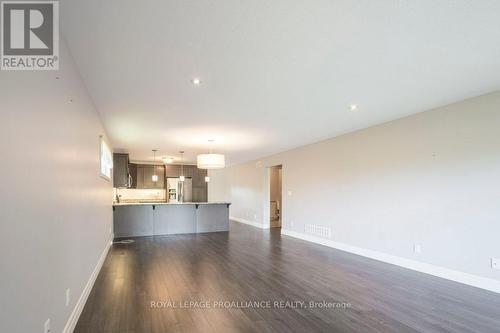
154	178
182	178
210	160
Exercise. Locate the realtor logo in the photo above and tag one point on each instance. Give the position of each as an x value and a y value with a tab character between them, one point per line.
29	35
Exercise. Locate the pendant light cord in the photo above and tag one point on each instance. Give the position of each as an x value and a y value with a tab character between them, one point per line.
154	162
210	145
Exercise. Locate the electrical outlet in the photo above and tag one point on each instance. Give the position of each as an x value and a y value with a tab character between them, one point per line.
289	193
495	263
417	248
255	217
46	326
291	224
110	230
68	296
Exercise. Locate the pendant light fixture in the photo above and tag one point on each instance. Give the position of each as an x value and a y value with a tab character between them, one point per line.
154	178
210	160
182	178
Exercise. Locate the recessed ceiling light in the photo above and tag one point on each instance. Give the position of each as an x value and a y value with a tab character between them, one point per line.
353	107
196	81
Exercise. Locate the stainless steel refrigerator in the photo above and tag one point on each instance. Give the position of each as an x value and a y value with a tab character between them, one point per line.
178	191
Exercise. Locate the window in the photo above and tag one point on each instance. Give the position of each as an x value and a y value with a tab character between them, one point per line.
106	160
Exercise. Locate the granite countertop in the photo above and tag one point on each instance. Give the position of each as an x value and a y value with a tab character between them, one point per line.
168	203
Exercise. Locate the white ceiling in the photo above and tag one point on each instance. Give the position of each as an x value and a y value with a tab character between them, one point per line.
276	74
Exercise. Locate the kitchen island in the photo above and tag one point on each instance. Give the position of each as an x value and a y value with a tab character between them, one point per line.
161	218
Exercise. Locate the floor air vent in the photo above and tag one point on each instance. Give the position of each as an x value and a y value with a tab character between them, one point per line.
318	230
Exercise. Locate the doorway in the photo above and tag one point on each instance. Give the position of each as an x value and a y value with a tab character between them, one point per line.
275	196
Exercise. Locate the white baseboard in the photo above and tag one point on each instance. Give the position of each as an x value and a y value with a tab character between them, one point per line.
252	223
442	272
77	311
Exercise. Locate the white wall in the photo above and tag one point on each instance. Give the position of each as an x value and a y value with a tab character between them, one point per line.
56	213
245	187
219	187
431	179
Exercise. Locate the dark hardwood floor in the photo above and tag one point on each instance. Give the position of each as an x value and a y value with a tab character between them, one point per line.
248	264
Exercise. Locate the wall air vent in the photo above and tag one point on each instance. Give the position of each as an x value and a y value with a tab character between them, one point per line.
317	230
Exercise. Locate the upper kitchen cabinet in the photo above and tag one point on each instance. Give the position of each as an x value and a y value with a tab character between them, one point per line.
121	174
145	176
133	174
199	186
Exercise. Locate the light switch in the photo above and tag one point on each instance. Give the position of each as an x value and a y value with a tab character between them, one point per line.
495	263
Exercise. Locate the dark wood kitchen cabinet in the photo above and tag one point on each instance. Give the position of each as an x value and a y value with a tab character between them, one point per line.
145	176
121	172
199	190
133	174
160	172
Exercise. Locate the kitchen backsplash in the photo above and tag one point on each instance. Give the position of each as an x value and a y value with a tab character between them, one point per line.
133	195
